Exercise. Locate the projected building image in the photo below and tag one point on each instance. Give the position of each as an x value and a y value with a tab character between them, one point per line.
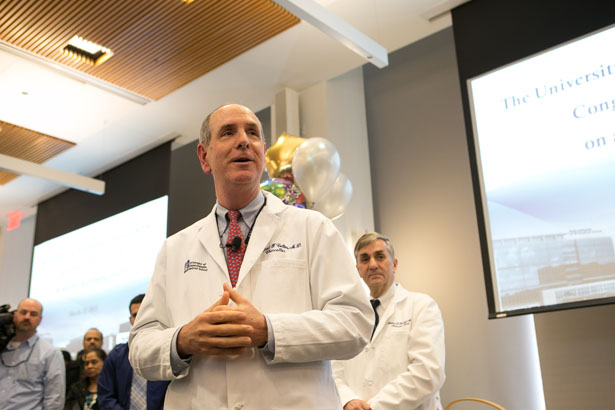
550	269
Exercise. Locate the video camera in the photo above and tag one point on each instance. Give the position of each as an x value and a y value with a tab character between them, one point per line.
7	328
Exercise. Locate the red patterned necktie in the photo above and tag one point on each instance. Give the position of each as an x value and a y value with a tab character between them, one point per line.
234	255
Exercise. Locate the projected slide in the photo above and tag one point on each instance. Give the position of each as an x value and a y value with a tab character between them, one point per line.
87	277
545	138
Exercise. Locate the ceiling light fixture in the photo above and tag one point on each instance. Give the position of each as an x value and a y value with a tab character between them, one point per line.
76	181
86	51
74	73
337	28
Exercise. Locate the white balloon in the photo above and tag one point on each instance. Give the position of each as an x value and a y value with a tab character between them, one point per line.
334	202
316	165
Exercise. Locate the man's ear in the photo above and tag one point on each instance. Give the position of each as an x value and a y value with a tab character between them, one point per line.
201	152
265	156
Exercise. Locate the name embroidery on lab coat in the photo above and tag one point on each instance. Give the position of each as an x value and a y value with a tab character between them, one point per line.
280	247
400	324
193	265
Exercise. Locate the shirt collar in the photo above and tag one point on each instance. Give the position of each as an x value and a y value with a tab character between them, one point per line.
387	297
248	212
30	342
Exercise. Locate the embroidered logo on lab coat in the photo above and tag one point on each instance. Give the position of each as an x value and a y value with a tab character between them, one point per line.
193	265
280	247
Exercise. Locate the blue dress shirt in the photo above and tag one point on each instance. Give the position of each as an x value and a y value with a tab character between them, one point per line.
32	376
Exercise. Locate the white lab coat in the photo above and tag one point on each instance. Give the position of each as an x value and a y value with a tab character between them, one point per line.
402	368
298	271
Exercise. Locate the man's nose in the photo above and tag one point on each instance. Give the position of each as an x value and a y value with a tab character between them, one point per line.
372	263
242	138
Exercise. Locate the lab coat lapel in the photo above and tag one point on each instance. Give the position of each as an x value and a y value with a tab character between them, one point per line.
209	237
264	227
384	318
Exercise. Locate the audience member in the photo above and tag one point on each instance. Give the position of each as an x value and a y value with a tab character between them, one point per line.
93	339
66	356
119	388
403	365
82	395
31	370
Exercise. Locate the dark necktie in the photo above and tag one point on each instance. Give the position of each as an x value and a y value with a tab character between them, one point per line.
234	255
375	303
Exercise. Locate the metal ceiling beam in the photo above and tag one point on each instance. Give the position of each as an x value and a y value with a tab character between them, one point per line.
20	166
74	74
340	30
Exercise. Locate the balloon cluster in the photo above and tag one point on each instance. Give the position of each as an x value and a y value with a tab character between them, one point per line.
306	173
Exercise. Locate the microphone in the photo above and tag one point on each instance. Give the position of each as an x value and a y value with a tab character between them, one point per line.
235	244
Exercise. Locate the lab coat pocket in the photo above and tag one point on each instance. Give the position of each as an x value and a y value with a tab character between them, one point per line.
281	285
393	350
396	337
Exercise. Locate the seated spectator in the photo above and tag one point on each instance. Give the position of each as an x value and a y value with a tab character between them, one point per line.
82	395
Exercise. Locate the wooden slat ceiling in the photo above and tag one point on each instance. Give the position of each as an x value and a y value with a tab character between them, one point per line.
29	145
158	45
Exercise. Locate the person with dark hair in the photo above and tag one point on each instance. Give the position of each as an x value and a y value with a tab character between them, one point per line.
92	339
31	370
83	394
402	367
66	356
119	388
247	306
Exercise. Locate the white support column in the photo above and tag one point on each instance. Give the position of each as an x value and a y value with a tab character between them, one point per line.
335	110
16	247
285	114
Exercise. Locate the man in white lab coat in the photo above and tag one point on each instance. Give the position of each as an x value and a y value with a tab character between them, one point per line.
263	337
403	365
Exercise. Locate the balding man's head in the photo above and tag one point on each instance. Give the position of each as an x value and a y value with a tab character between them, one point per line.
205	135
28	316
92	339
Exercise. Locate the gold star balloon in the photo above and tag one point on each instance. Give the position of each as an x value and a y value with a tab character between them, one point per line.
279	157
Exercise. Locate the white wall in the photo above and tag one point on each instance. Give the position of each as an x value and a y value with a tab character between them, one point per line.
423	201
15	260
335	110
577	357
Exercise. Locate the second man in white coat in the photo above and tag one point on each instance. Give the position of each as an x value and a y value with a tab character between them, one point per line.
403	365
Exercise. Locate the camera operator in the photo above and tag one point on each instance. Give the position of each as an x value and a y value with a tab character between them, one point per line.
31	370
7	328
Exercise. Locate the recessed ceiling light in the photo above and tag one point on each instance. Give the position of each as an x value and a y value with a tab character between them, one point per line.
86	51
